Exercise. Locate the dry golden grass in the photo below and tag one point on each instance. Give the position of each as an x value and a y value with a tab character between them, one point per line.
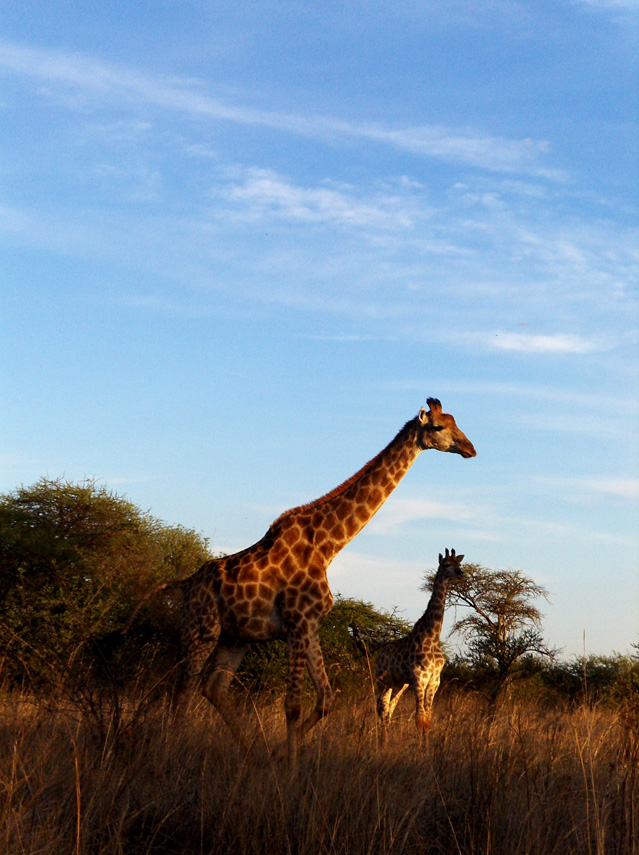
530	780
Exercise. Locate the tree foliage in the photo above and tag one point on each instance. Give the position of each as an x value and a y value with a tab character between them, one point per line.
74	558
502	624
596	679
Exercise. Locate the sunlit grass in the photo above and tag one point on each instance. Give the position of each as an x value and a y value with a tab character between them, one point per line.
530	779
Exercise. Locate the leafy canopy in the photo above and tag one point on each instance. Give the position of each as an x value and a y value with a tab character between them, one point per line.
74	558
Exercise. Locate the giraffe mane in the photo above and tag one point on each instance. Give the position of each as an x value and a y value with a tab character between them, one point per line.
341	488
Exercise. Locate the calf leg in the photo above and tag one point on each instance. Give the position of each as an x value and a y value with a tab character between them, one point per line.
425	697
395	701
386	704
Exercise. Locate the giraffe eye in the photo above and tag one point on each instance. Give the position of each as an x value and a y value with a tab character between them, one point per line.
437	427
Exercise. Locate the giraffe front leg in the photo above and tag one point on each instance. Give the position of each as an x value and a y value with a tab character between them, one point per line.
431	691
297	649
317	671
422	719
425	706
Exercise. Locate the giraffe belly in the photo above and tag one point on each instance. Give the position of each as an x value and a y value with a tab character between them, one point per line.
398	677
253	626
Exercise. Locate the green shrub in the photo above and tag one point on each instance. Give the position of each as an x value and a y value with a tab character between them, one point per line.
74	559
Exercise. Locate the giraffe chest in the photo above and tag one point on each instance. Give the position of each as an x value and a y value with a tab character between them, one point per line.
407	660
425	651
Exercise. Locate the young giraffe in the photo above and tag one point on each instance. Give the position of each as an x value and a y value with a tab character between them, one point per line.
278	588
416	660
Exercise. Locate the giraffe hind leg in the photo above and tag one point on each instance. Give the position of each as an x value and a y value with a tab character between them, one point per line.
217	675
189	676
383	707
199	636
386	702
383	704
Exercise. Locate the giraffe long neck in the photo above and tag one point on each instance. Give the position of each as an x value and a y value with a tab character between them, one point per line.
338	516
430	623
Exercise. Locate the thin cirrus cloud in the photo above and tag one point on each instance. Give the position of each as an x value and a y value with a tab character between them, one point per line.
109	82
604	488
622	488
552	344
405	511
263	191
613	5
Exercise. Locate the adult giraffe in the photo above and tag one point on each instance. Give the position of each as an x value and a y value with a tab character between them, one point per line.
278	588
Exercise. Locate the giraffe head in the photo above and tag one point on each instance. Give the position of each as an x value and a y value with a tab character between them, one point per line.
450	565
438	430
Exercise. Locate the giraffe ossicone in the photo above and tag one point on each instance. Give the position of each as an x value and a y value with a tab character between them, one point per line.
278	587
416	661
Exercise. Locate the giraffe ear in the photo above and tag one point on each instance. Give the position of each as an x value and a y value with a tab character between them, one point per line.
423	416
460	558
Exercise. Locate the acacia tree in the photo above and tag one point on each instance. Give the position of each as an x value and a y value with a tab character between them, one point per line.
502	625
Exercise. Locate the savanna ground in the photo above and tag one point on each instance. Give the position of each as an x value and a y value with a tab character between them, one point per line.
532	778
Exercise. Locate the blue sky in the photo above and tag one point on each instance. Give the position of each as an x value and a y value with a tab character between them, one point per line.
241	244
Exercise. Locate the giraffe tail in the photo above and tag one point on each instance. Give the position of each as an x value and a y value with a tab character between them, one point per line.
358	639
164	586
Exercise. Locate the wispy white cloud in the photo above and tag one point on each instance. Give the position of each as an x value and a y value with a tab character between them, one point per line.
92	79
352	566
403	511
137	185
621	488
611	5
624	488
345	337
557	343
497	154
123	131
264	192
13	221
554	344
